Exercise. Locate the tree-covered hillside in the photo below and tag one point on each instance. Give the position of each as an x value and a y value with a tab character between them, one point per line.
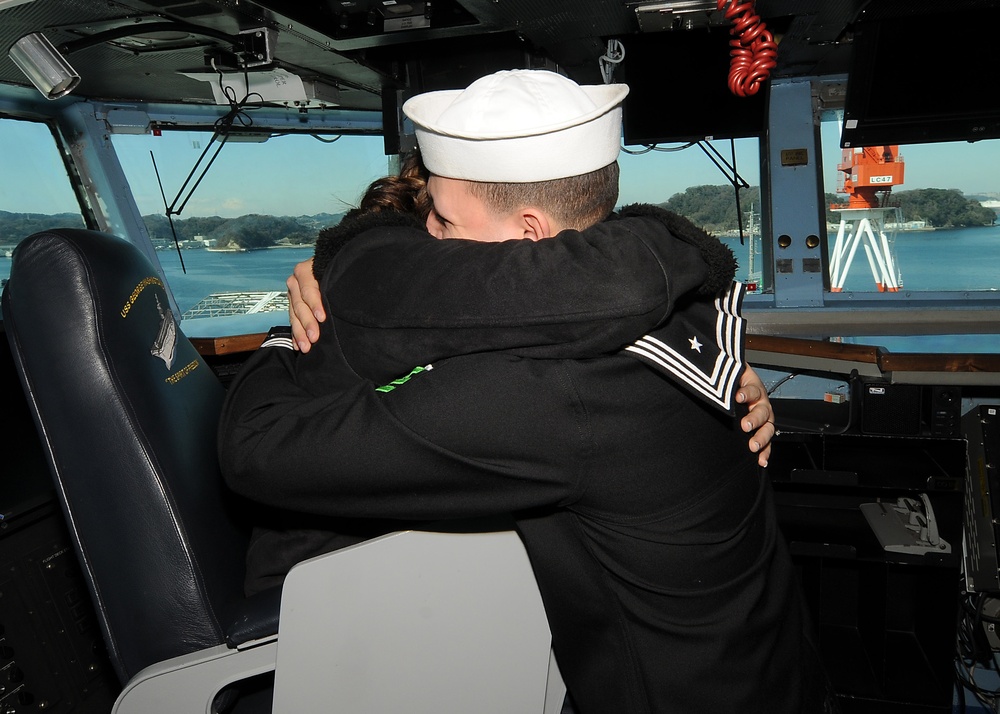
943	208
249	232
15	226
712	207
938	207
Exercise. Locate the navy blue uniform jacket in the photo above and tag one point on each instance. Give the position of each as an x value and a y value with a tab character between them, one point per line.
651	532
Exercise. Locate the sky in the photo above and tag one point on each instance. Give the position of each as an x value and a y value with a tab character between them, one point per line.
973	168
299	175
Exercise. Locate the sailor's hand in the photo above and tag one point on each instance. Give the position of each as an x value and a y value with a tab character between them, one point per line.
760	419
305	306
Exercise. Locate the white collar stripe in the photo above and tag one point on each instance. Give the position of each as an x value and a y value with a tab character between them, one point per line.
714	380
278	341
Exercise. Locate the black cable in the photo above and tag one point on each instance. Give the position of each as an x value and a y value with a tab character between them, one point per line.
656	147
733	176
977	610
969	654
223	126
736	189
166	208
781	381
127	30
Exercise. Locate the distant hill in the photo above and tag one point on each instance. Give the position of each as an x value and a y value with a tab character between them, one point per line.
943	208
938	207
320	220
250	231
15	226
711	207
714	207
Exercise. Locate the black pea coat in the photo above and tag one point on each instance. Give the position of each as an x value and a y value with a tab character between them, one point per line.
650	529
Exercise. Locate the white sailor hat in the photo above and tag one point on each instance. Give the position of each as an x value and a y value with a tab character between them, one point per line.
518	126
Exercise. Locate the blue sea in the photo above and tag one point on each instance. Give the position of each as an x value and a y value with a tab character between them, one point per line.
209	272
954	259
962	259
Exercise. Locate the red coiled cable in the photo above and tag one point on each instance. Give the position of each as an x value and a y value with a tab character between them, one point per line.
754	52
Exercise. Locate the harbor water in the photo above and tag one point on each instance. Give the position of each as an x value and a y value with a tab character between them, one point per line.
962	259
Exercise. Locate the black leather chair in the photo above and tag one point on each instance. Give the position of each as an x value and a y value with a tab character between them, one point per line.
127	412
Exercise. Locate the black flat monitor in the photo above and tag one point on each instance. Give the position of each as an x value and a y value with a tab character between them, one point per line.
923	78
679	89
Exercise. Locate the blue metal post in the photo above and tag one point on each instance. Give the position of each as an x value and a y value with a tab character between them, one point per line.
794	185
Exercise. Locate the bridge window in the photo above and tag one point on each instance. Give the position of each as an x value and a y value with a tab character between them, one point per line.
697	181
35	190
238	232
912	218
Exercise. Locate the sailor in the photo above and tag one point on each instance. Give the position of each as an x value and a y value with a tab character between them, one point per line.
651	532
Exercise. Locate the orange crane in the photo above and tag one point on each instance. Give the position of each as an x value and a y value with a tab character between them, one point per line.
867	171
867	175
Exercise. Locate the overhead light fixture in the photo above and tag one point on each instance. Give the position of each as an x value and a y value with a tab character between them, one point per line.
44	66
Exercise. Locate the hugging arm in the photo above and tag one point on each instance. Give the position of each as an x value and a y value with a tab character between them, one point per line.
759	422
439	446
404	299
306	312
305	306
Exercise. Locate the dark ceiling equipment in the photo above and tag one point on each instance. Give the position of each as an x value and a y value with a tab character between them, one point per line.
133	50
